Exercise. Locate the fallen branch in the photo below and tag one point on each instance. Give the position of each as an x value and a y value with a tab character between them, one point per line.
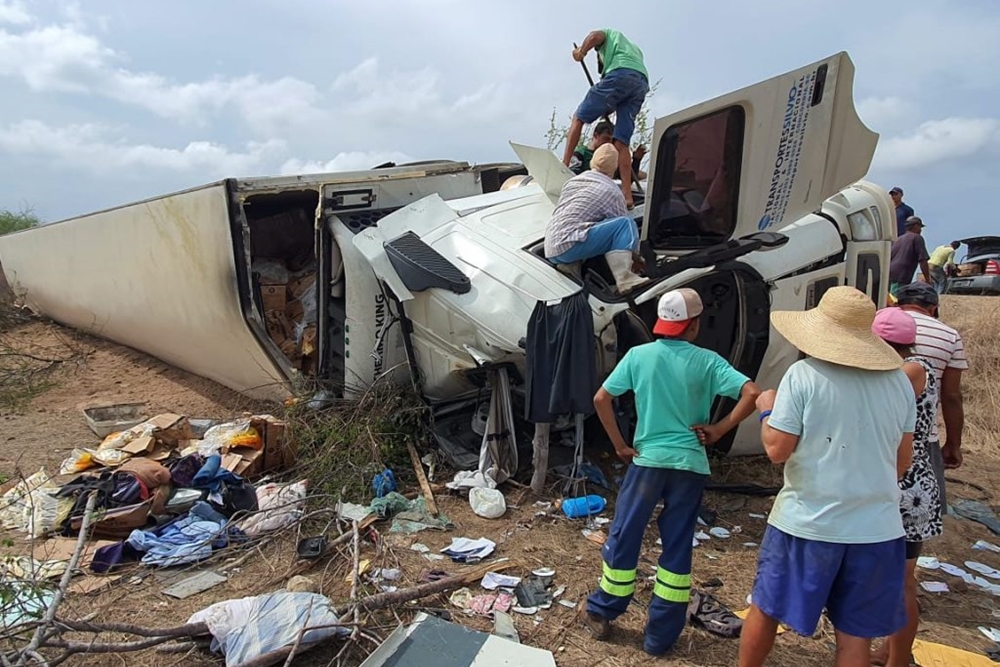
189	630
42	631
425	486
154	637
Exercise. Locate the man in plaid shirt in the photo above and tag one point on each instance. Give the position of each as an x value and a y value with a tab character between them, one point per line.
591	219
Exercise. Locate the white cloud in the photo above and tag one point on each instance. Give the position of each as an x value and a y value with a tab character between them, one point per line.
938	141
65	58
879	112
87	146
350	161
14	13
370	93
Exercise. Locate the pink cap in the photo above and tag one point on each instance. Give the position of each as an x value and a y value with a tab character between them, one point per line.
895	325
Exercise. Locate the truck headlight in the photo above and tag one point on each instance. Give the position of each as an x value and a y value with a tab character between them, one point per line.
863	228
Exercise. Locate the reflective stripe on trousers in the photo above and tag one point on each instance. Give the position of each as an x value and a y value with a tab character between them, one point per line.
642	489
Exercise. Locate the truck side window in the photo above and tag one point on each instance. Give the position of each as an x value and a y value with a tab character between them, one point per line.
694	199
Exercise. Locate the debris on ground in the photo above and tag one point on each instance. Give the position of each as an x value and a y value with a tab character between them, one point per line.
419	645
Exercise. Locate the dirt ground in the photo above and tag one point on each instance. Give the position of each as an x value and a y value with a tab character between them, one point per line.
51	425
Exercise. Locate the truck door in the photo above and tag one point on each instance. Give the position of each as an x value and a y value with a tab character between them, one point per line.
755	159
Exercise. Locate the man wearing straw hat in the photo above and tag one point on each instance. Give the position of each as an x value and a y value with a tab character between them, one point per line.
842	422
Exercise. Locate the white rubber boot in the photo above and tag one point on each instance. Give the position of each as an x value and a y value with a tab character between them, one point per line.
620	263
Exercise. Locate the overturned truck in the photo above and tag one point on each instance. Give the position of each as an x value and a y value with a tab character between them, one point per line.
429	272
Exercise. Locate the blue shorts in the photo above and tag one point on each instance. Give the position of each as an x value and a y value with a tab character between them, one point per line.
604	237
859	585
621	91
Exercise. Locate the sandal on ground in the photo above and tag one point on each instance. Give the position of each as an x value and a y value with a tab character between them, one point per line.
705	612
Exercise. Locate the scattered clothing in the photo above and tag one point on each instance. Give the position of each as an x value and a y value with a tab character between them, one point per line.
705	612
187	540
978	512
248	628
465	550
561	369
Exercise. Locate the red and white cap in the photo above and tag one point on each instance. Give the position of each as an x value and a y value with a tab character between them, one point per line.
675	311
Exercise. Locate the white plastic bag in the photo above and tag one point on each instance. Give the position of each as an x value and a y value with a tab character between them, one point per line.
487	503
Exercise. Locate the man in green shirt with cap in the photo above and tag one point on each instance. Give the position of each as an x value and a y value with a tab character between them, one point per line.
622	89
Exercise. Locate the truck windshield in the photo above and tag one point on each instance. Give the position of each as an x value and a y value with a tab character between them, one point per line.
694	203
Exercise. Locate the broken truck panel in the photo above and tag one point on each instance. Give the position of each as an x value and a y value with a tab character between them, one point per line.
756	158
544	168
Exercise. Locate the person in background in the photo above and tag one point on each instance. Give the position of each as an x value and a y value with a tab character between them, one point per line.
667	462
590	219
580	162
941	264
637	157
942	346
903	211
622	90
842	422
908	252
920	504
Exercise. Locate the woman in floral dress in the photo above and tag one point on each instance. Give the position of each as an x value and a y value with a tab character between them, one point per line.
920	502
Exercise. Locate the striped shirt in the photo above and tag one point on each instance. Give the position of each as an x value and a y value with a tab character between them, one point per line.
584	201
942	347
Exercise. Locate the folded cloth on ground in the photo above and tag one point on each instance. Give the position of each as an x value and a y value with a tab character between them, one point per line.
189	539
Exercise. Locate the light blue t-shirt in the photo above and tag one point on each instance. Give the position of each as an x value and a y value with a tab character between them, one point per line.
675	384
841	481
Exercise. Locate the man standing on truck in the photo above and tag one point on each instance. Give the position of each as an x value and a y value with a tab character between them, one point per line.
603	134
903	211
941	263
622	89
908	251
667	463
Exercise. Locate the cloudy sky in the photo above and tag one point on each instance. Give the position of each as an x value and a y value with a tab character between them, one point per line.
107	102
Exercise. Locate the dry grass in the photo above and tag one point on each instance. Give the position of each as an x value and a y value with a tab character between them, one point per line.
978	320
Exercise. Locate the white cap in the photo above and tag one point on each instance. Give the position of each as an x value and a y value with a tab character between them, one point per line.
675	310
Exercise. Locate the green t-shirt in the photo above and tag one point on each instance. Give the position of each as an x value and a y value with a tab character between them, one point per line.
580	162
675	384
617	52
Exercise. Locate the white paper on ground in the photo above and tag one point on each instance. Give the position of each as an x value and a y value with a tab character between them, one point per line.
934	586
953	570
983	545
495	580
928	563
720	532
982	568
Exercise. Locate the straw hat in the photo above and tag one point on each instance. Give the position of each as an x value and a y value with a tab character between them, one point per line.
839	330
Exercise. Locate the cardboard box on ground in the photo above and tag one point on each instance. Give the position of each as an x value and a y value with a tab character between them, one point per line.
284	312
